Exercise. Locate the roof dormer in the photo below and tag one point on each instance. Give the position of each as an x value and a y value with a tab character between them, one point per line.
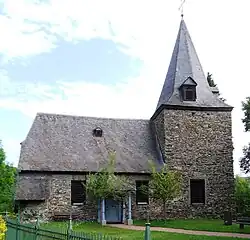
188	90
97	132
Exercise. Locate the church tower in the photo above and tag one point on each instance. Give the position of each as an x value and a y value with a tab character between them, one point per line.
194	134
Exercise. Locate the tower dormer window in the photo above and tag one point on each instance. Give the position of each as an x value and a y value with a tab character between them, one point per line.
189	93
97	132
188	90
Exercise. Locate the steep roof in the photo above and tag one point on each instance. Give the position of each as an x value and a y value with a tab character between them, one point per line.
184	64
66	143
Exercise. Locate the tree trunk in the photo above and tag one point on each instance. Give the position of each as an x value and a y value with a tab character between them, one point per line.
164	209
148	214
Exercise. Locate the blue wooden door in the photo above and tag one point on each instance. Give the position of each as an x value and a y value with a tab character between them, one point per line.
113	211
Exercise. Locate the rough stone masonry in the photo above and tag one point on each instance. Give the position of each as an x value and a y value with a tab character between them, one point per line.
199	144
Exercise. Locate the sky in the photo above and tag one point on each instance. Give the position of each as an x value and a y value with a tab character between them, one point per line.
109	58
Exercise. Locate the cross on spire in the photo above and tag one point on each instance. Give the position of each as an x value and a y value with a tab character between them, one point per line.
181	7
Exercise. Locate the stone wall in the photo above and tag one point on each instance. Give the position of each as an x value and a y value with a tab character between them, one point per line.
59	201
199	144
33	210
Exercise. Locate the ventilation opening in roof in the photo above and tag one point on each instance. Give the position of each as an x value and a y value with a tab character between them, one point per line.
97	132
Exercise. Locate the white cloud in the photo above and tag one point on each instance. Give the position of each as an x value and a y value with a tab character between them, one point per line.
19	39
131	98
35	26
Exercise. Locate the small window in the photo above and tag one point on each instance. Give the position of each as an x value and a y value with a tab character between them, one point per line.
78	192
189	93
97	132
142	192
197	188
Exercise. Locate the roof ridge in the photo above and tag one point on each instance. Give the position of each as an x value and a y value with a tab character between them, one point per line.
89	117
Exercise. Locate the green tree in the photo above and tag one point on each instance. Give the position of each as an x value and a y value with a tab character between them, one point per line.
106	184
7	183
245	160
242	195
165	185
246	111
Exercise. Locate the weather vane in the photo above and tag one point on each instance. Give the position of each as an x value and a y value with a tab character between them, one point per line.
181	7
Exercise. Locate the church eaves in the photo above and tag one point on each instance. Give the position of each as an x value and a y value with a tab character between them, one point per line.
185	64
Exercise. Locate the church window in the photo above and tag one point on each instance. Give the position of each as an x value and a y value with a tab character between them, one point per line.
97	132
197	191
142	195
78	192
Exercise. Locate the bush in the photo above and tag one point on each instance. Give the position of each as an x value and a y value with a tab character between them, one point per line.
242	195
3	228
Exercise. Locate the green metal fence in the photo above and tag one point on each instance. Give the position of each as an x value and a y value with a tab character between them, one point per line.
18	231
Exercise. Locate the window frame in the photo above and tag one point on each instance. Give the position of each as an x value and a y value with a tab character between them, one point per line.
74	202
193	200
189	88
139	194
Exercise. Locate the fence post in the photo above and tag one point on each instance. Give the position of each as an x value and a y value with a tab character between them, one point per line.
6	224
17	224
6	216
69	231
36	228
147	231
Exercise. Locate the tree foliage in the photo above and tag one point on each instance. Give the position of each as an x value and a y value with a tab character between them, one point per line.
246	111
242	195
7	183
106	184
245	160
165	185
210	80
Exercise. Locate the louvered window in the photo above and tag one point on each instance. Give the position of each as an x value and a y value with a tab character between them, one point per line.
78	192
189	93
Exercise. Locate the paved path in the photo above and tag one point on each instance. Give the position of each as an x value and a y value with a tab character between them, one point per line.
191	232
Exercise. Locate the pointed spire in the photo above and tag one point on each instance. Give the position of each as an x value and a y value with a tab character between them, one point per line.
185	64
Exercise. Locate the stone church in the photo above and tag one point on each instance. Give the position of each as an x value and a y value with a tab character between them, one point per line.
190	130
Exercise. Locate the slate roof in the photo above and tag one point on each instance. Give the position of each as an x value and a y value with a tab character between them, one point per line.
31	188
66	143
185	63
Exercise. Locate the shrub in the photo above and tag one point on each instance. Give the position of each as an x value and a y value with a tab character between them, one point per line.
3	228
242	195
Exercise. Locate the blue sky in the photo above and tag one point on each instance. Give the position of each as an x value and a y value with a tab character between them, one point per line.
109	58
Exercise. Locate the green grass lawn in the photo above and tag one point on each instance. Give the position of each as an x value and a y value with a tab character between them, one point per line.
197	224
128	234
